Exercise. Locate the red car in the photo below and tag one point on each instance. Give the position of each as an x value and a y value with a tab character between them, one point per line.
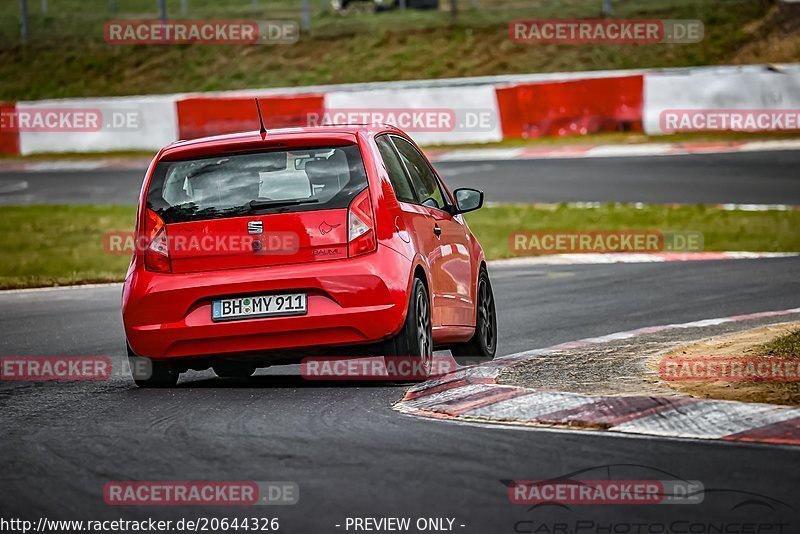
255	249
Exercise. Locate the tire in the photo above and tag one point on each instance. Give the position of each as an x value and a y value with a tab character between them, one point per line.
234	370
148	373
415	339
483	345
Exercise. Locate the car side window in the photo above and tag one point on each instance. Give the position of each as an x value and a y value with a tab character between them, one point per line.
394	168
422	177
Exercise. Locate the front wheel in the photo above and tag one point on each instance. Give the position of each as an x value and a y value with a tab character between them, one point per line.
415	339
483	345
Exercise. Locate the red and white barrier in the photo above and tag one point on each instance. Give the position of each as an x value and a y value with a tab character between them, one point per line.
574	107
201	116
473	110
127	124
724	88
9	139
463	110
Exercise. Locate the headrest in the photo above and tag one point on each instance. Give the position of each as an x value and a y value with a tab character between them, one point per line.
332	172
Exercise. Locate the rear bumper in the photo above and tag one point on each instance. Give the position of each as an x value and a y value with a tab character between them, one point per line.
350	302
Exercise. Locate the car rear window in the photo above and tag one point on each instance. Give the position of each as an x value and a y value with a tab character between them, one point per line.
304	179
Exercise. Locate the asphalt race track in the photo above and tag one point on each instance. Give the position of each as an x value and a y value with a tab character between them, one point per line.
349	452
752	177
758	178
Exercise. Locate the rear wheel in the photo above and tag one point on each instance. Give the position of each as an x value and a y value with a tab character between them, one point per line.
415	340
234	370
149	373
483	345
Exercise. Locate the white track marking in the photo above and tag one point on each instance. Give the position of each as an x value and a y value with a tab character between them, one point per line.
12	187
624	257
614	151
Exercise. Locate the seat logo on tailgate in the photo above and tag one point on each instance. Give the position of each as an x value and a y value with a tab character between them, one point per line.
255	227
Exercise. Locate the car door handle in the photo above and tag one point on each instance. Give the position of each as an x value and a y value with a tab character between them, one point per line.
437	230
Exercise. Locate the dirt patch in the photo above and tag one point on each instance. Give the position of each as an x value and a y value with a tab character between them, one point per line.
608	369
775	38
739	347
631	367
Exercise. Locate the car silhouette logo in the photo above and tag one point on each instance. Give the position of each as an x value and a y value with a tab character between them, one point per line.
255	227
324	228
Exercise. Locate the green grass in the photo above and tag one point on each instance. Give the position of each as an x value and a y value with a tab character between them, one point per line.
787	346
67	57
768	231
56	245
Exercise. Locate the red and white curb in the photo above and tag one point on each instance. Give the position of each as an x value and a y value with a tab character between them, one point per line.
611	151
473	394
627	257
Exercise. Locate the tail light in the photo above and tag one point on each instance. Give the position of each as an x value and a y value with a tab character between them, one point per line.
156	253
361	226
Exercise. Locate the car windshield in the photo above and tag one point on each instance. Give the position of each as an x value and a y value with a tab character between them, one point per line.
278	180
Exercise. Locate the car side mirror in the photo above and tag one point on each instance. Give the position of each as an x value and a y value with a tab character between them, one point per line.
468	199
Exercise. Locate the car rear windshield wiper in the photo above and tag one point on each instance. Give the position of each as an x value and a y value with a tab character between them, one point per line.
262	204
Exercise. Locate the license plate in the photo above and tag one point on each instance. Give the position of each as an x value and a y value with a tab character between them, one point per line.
259	306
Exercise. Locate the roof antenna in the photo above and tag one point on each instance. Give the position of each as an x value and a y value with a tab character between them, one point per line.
262	131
